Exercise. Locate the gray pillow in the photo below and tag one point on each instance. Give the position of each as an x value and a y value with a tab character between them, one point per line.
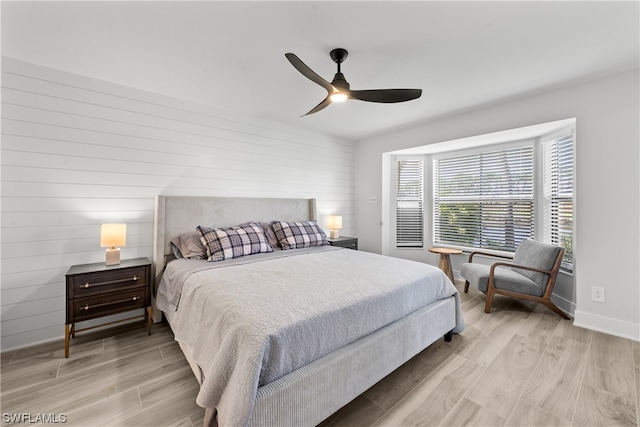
188	245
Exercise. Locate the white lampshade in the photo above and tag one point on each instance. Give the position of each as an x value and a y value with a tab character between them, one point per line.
334	223
112	235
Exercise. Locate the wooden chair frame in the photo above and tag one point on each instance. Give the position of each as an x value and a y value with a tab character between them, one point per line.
544	299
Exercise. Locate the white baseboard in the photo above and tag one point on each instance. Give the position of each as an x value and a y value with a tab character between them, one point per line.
607	325
564	304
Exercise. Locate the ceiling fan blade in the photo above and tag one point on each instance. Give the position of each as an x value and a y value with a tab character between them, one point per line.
308	72
386	95
325	102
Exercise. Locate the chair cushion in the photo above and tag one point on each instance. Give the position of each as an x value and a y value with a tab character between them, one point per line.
504	278
536	255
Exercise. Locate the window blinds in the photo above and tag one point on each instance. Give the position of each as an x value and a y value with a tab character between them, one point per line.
409	203
484	200
558	195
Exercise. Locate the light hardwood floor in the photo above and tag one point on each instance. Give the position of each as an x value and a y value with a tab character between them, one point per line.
520	365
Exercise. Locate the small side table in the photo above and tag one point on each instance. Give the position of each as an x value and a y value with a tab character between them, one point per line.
97	290
344	242
445	261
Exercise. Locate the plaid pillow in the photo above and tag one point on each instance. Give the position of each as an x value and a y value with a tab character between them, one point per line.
233	242
295	235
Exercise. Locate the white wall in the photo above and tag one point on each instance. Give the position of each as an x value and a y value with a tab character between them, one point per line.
77	152
607	186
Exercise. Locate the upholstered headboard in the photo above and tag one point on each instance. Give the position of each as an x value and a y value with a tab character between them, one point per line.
175	215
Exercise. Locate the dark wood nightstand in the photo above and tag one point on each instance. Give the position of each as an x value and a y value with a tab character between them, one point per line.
97	290
344	242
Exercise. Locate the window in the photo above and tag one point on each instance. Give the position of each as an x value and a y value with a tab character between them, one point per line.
495	198
558	195
484	200
409	203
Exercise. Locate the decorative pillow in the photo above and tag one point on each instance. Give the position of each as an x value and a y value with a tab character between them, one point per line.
295	235
268	231
188	245
233	242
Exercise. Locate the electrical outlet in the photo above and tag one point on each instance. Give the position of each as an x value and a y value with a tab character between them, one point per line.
597	294
373	199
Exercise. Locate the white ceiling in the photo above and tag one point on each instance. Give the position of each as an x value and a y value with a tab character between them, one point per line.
463	55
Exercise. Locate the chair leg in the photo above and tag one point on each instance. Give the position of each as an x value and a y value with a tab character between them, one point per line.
466	286
487	304
555	308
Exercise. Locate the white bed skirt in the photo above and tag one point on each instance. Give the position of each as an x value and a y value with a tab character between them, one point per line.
312	393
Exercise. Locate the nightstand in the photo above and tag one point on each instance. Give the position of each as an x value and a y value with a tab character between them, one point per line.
97	290
344	242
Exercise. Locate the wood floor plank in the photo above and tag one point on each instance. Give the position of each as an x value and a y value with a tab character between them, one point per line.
25	373
86	387
566	329
180	382
361	412
610	366
79	346
171	350
197	418
112	411
468	413
555	382
6	357
526	415
499	388
600	408
489	339
136	338
165	412
431	400
540	326
396	385
442	400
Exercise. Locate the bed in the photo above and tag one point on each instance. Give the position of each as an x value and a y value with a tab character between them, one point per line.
288	337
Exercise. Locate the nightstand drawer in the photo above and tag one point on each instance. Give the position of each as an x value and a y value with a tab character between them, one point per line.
109	303
92	283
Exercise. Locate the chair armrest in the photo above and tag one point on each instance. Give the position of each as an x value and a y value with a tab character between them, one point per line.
487	254
522	267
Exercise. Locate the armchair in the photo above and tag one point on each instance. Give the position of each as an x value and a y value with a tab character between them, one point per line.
530	276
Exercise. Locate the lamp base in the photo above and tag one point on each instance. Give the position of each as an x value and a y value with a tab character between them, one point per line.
334	234
113	256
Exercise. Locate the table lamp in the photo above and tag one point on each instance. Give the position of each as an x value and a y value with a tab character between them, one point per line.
112	235
334	223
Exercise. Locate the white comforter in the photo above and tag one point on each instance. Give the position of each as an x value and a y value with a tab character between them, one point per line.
249	323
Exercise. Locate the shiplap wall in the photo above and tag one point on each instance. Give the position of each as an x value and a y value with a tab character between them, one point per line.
78	152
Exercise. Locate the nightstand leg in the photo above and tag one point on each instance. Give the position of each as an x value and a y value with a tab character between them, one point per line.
149	318
66	340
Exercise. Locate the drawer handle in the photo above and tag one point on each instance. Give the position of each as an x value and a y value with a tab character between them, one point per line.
87	306
110	282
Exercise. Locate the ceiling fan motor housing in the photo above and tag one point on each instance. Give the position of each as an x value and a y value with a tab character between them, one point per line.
340	82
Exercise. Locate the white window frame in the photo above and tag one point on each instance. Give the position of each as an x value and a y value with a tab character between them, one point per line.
540	233
528	143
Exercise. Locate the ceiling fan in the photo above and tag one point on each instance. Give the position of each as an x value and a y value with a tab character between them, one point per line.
339	89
